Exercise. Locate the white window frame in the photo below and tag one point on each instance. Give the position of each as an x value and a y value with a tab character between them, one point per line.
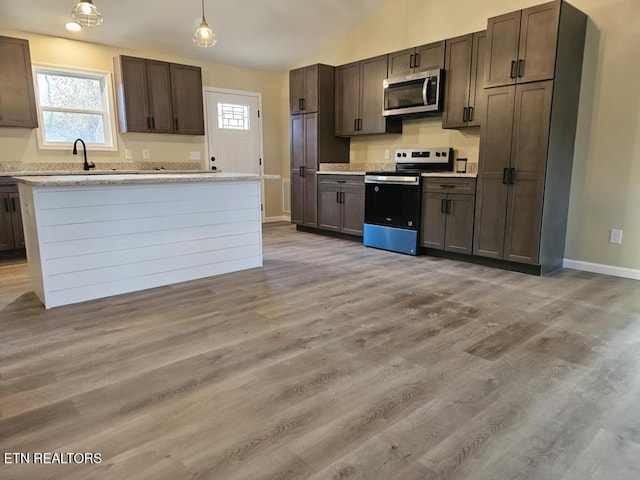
111	136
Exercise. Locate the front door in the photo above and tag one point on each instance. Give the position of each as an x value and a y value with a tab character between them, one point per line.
234	132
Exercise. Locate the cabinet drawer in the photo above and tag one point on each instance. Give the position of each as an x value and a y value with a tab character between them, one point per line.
345	182
449	185
7	185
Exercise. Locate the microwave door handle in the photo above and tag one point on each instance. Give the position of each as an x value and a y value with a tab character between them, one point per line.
425	90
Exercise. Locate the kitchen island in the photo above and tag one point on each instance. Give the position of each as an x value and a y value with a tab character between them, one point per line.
94	236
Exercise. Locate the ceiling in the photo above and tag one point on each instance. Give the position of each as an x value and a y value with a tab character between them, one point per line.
263	34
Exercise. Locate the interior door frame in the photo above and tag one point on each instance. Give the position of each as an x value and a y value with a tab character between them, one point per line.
258	96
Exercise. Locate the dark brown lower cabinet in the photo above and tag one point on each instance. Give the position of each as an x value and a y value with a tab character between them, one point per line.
11	231
304	207
447	218
514	152
341	203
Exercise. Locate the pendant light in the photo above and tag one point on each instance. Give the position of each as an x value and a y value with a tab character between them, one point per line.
204	36
86	14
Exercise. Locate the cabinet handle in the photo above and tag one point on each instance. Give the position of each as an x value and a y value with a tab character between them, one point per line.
153	123
411	65
13	204
471	114
416	60
175	124
446	185
304	103
512	176
465	114
341	197
359	124
337	197
513	69
299	171
443	206
449	202
505	176
299	104
520	68
341	181
355	124
6	204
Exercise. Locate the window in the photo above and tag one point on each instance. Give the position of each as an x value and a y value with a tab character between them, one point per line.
74	104
232	116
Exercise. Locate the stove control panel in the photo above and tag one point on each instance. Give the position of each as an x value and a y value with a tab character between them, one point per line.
424	155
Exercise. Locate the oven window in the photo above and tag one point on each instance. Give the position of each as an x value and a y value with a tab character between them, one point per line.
403	95
392	205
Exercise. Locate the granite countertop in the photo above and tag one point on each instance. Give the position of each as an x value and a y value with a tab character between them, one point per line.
137	178
40	173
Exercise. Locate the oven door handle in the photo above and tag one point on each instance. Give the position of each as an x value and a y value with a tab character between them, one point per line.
392	180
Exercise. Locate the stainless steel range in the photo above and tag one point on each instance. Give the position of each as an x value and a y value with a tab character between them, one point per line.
393	199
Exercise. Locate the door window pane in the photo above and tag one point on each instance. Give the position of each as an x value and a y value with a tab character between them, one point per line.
232	116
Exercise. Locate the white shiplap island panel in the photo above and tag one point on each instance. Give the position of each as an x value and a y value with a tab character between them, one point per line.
95	239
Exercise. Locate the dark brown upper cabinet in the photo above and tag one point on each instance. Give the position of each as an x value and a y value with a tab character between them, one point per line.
521	46
187	102
417	59
359	99
17	99
159	97
464	81
306	84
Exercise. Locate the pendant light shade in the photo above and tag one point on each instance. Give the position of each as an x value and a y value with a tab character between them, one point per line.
204	36
86	14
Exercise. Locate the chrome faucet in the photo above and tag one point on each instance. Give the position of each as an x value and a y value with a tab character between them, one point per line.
87	165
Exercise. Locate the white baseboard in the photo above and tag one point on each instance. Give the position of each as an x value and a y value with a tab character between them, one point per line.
604	269
283	218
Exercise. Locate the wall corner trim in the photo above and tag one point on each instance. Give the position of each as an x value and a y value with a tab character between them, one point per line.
631	273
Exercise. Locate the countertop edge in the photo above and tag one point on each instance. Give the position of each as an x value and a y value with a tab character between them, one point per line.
136	179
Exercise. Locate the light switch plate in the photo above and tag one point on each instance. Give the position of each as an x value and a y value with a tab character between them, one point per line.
145	154
616	236
128	154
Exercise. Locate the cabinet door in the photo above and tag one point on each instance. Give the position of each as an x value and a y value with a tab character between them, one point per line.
347	98
187	104
429	57
459	231
374	71
457	80
17	99
296	90
434	218
476	86
310	99
311	141
401	63
353	210
310	199
538	40
6	223
297	197
495	154
529	157
159	88
136	95
16	221
503	33
329	207
297	142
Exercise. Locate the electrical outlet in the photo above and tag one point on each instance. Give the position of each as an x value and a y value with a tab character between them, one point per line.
616	236
386	155
145	154
194	155
128	154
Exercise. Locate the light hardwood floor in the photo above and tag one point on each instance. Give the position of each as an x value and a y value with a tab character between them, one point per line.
334	361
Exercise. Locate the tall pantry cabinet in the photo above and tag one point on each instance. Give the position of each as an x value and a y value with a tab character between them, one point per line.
312	136
533	71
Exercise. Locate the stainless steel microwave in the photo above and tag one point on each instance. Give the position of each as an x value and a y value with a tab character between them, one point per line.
413	95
